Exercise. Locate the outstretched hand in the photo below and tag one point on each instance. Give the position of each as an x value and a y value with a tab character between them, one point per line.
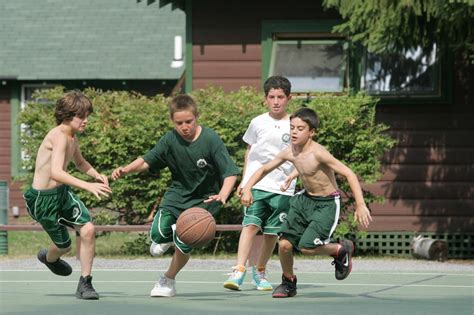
99	189
118	172
102	179
215	198
362	216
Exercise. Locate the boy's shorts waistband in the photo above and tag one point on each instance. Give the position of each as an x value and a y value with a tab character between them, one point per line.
331	196
52	191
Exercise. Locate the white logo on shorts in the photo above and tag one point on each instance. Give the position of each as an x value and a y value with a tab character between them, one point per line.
201	163
318	242
285	137
75	212
282	217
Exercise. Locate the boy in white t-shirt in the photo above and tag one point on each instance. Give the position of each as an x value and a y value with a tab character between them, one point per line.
266	136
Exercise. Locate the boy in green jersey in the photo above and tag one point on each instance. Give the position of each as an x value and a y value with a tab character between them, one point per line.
202	175
50	200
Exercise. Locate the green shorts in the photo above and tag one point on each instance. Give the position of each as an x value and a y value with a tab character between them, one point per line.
163	227
55	209
268	211
311	220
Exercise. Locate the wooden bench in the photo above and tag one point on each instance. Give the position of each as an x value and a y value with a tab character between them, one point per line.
252	261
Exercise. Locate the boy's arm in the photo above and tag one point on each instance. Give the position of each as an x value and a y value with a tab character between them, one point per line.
58	156
84	166
239	189
246	197
226	189
362	214
139	165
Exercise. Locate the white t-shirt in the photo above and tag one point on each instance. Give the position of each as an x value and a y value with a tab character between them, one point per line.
267	137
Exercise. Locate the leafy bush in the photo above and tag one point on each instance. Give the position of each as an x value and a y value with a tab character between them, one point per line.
125	126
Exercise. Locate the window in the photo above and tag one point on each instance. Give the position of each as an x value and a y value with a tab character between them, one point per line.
27	91
409	73
316	60
310	65
313	59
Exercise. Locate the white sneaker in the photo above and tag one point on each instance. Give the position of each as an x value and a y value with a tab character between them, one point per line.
164	287
159	249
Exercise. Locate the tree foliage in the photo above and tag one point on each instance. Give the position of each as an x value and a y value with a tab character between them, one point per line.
385	26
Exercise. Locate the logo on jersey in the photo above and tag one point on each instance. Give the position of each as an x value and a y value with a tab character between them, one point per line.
282	217
201	163
285	137
75	212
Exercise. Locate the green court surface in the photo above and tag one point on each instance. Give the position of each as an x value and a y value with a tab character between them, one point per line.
201	292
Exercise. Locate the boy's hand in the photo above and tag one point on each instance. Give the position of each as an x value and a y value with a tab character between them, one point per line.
238	192
118	172
286	183
98	189
246	198
362	215
215	198
103	179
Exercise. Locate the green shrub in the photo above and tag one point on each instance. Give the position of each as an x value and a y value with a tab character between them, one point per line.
126	125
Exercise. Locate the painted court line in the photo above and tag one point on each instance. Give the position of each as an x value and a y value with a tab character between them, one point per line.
270	272
220	282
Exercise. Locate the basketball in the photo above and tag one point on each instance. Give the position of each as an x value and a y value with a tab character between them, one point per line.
196	227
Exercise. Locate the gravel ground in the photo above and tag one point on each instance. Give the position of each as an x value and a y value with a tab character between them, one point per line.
302	265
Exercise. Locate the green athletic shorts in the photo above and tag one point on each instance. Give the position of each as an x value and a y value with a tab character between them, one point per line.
163	227
268	211
55	209
311	220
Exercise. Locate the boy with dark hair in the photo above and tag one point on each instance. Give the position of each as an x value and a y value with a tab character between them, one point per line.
50	200
314	212
267	134
202	173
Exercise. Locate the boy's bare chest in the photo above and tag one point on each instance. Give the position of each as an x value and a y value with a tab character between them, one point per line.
70	149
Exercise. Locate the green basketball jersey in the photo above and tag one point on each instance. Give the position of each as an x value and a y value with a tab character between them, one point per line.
197	168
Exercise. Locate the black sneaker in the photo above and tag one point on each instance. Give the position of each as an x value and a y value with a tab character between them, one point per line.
343	260
59	267
287	288
85	290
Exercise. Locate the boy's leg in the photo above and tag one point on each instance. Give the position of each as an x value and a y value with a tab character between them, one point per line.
287	288
259	277
268	245
236	278
85	290
246	239
165	286
178	261
43	206
51	258
161	232
87	232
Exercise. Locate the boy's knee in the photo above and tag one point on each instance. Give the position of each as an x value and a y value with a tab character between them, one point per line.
87	231
285	245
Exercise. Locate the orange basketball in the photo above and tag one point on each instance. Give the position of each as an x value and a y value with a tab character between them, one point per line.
196	227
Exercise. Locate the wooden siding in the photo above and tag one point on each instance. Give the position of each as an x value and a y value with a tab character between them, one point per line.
15	193
226	38
427	178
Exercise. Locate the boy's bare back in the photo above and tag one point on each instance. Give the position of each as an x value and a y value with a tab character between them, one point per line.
56	139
